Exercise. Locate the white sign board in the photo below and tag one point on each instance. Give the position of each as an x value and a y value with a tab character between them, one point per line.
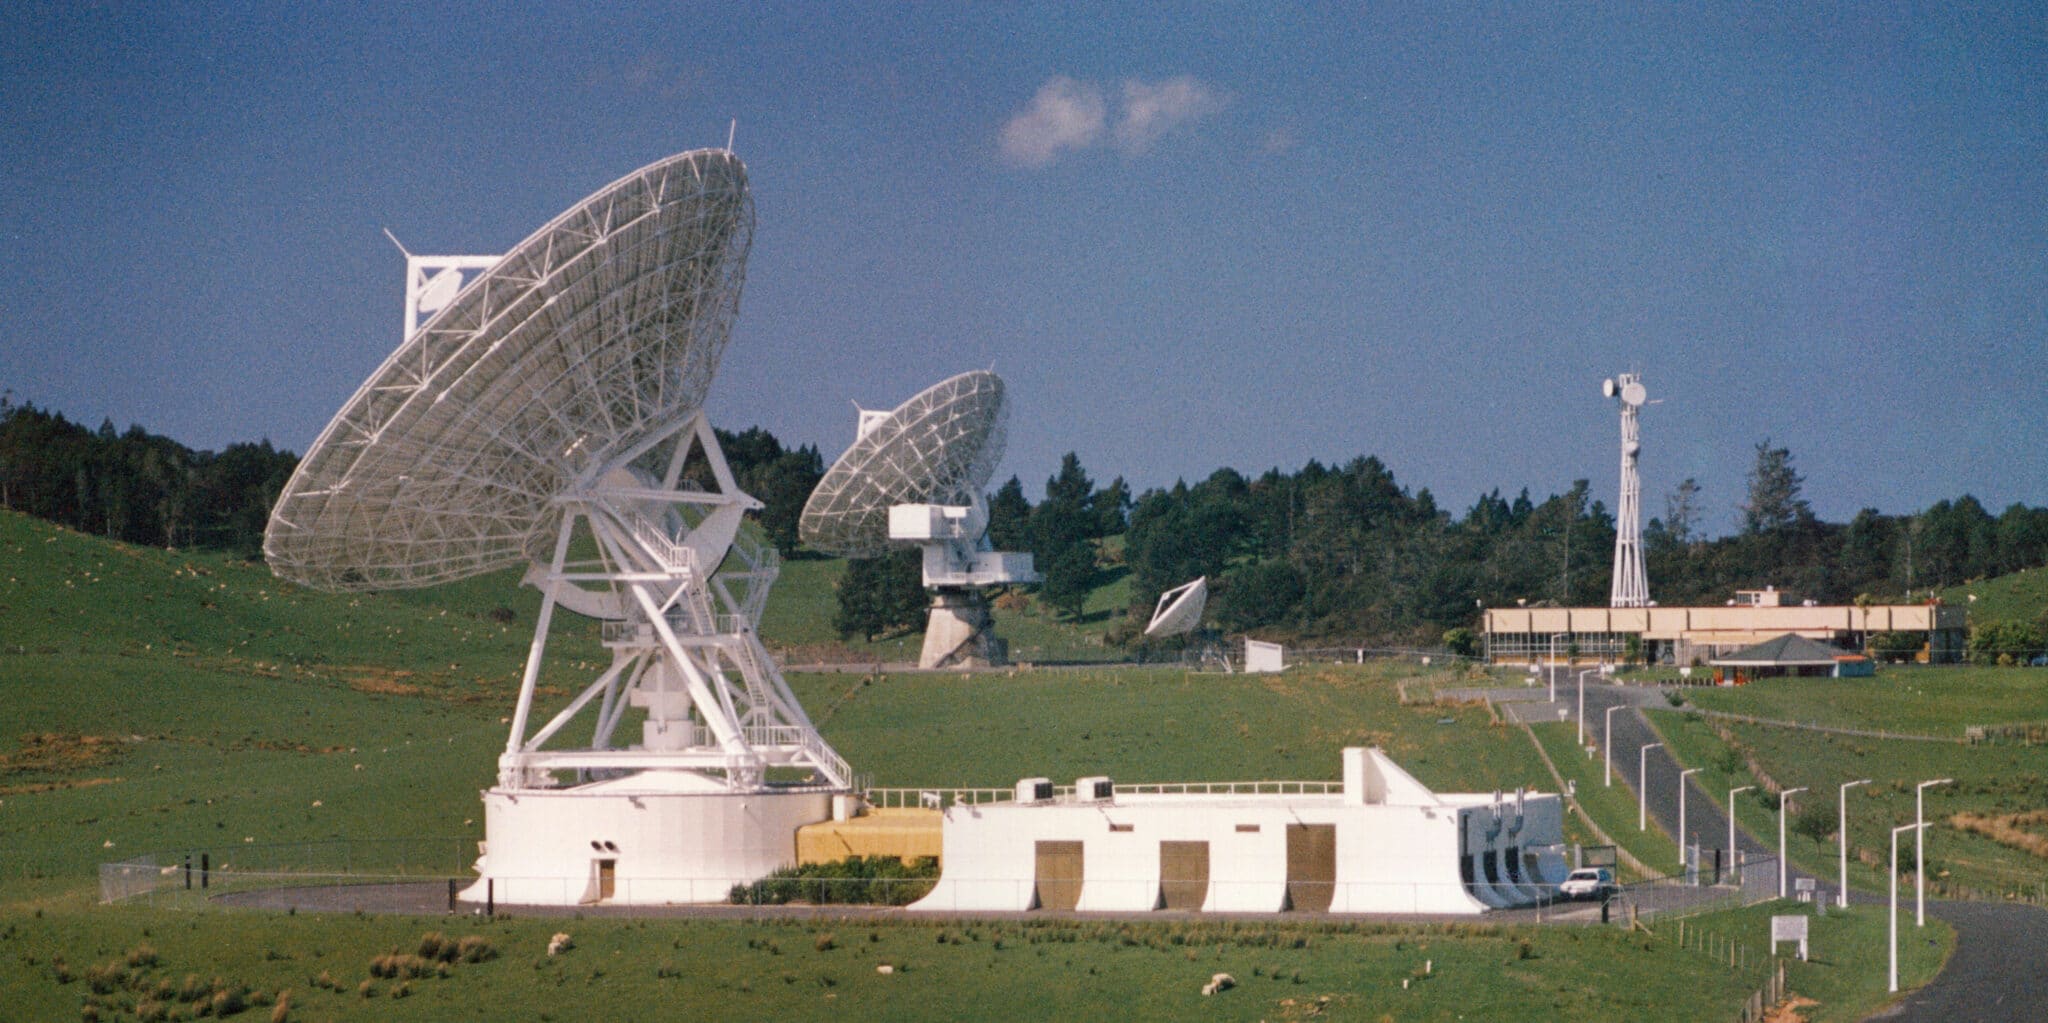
1789	928
1264	656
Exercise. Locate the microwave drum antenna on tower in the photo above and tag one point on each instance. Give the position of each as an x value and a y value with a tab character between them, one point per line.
1631	583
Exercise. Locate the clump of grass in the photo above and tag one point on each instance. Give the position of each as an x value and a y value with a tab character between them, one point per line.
825	943
229	1001
475	948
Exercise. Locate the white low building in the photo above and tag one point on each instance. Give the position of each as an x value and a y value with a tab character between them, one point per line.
1381	842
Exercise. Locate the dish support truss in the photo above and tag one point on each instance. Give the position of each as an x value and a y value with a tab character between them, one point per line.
683	634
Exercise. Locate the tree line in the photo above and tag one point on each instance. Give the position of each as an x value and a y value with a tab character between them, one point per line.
1338	552
143	488
1345	553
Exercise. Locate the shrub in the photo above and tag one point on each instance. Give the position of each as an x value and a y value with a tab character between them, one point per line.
475	948
869	880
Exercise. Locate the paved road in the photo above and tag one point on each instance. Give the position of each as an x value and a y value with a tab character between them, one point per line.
1704	821
1999	971
1998	974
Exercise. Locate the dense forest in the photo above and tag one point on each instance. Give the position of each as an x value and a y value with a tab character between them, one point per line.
1342	553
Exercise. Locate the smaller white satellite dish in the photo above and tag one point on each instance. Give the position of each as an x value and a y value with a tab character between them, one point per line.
440	290
1607	387
1179	609
1631	449
1634	393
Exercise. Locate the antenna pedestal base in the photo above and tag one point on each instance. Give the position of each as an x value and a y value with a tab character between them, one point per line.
960	632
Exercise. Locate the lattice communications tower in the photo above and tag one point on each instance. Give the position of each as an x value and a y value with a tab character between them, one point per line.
1631	586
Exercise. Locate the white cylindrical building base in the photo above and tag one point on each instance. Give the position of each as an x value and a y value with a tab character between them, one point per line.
653	838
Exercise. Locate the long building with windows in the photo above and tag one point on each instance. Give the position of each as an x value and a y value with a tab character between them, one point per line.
1696	635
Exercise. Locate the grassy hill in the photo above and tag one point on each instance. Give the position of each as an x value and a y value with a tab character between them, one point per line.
2019	597
156	701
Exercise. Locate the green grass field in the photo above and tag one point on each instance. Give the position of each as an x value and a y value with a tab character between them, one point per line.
1990	780
2019	597
1913	699
1613	807
156	701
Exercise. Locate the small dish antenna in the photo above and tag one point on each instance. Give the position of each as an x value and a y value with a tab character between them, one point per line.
1179	609
915	476
440	290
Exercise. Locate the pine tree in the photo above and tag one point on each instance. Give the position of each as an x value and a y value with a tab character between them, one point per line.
1774	502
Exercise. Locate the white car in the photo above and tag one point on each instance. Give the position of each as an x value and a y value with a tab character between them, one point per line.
1587	883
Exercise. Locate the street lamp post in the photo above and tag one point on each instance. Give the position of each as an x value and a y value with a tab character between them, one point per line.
1643	785
1784	872
1731	825
1582	704
1920	850
1554	637
1607	775
1682	776
1892	882
1842	832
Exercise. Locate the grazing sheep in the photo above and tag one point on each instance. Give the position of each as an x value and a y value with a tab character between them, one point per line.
559	943
1219	982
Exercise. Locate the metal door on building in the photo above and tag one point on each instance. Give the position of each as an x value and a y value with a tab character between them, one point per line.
1183	875
1059	872
1311	866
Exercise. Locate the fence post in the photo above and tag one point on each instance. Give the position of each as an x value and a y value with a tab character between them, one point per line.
205	869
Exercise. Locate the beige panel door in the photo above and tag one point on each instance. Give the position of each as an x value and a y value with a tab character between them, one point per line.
1311	866
1183	874
607	879
1059	875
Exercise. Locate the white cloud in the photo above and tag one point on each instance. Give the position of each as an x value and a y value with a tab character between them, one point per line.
1065	114
1151	110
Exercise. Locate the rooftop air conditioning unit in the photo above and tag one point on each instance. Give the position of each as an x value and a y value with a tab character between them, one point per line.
1034	790
1094	790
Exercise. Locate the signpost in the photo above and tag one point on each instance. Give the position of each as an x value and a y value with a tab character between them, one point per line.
1793	928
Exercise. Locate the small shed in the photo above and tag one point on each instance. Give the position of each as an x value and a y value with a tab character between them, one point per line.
1793	654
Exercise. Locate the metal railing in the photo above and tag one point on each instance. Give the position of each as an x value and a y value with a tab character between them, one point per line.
938	797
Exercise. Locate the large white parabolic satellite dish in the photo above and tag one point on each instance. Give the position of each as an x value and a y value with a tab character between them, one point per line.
940	447
546	414
591	335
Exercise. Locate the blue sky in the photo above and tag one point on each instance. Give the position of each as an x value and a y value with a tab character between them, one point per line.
1187	236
